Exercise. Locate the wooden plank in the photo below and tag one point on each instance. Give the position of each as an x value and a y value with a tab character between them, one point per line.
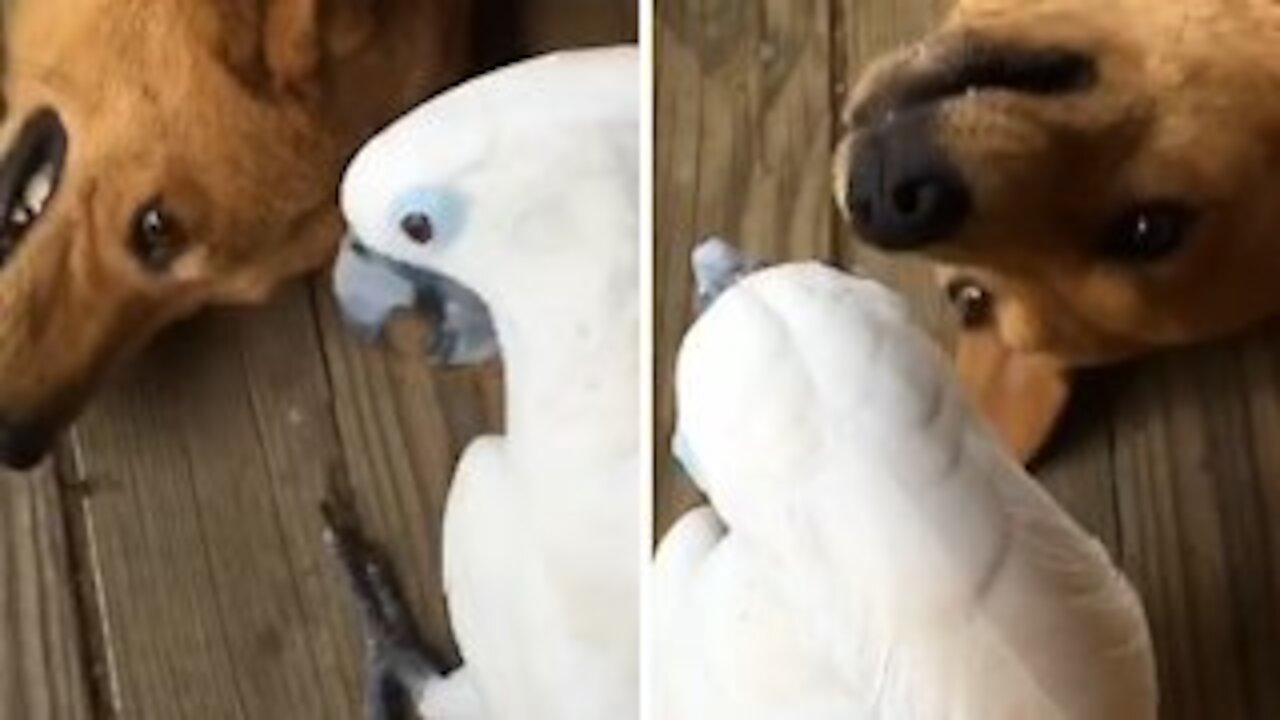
744	120
507	30
1173	461
551	24
42	666
1195	471
204	473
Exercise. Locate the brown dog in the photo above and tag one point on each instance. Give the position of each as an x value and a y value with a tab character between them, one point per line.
1097	177
165	155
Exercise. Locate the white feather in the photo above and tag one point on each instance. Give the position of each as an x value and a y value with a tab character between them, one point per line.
873	553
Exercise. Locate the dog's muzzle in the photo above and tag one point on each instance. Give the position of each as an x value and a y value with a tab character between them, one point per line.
23	446
903	192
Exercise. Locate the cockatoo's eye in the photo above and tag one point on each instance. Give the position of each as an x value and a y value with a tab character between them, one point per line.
156	237
418	227
427	216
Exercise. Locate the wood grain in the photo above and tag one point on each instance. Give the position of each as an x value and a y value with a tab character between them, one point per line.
42	660
204	474
1174	462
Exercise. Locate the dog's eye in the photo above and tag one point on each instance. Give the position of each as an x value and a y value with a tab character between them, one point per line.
1148	233
156	240
418	227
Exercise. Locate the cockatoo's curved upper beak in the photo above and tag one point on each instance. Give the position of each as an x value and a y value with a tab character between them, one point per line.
718	266
368	291
370	288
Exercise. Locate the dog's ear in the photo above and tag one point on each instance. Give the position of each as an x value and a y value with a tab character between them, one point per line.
283	46
1022	395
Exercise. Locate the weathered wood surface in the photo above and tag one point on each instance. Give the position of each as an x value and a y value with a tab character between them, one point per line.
42	659
170	565
1174	462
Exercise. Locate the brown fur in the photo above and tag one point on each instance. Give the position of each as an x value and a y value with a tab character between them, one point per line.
238	115
1187	106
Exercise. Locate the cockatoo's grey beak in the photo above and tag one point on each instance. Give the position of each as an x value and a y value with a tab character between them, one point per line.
718	266
368	290
371	288
465	334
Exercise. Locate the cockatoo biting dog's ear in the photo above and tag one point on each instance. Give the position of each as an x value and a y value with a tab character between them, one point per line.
870	551
509	208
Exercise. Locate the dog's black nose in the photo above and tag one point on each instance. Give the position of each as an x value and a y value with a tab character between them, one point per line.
903	193
22	447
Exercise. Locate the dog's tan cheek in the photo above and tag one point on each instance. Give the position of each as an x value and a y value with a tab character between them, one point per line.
1019	326
247	287
1022	395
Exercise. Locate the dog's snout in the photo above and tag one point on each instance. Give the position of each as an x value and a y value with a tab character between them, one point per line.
23	446
903	193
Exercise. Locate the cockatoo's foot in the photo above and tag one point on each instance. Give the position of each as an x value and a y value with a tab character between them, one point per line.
398	665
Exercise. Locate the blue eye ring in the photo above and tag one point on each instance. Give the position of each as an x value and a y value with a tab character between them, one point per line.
429	215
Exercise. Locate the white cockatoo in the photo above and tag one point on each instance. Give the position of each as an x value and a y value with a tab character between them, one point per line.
508	207
870	551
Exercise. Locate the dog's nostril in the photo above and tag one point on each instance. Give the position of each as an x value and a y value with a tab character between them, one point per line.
907	198
919	198
903	194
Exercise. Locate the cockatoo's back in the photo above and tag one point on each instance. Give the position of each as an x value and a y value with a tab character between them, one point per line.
916	568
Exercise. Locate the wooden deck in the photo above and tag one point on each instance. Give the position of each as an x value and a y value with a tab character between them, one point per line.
169	566
1174	462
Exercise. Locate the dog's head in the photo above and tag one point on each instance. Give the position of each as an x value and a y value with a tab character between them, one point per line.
1102	175
158	157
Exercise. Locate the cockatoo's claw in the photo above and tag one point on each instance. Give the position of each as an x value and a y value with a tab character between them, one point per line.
381	610
399	667
718	266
